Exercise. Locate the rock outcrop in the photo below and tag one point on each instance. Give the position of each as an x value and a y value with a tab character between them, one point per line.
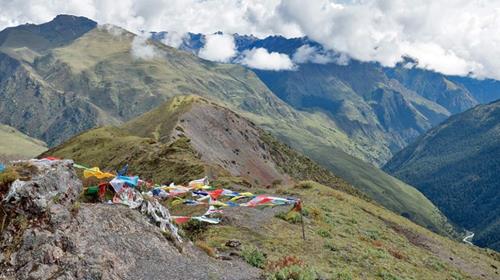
48	234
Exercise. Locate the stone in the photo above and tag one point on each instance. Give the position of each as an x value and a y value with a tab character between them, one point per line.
233	243
100	241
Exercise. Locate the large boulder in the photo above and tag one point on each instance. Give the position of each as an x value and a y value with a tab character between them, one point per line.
50	235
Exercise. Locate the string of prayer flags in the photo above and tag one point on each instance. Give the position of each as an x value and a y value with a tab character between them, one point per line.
198	192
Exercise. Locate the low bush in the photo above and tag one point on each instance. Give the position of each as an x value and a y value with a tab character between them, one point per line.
194	229
253	256
342	275
305	185
8	176
289	267
293	272
290	216
324	233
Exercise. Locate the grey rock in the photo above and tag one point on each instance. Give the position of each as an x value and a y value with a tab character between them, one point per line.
99	241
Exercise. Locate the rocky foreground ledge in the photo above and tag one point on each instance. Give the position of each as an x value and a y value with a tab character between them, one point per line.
45	233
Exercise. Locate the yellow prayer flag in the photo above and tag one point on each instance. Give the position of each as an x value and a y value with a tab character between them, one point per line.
96	172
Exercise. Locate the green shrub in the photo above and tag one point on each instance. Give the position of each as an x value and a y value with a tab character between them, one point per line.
253	256
388	276
324	233
294	272
289	267
194	229
292	217
305	185
8	176
373	234
342	275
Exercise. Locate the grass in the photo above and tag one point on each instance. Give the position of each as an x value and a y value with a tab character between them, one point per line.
206	248
110	148
253	256
349	239
13	142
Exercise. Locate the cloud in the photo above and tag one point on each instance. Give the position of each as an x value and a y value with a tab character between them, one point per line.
260	58
312	54
218	47
141	49
174	39
453	36
112	29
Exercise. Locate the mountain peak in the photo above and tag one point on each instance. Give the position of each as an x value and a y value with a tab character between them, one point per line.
60	31
67	17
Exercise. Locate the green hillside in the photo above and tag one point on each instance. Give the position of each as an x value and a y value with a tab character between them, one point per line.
171	143
455	165
16	144
378	113
347	237
97	147
98	80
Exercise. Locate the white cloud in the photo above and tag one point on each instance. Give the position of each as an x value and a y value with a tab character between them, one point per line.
113	29
141	49
218	47
174	39
452	36
312	54
260	58
307	54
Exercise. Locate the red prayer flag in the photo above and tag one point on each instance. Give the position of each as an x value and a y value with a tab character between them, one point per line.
181	220
215	194
51	158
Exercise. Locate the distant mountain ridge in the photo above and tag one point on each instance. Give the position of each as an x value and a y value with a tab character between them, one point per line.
456	165
378	107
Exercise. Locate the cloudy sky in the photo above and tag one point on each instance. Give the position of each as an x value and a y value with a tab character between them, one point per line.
449	36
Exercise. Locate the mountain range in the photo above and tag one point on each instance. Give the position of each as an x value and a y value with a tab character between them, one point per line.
381	109
456	166
107	76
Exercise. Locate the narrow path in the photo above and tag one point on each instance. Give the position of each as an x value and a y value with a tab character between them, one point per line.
467	239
